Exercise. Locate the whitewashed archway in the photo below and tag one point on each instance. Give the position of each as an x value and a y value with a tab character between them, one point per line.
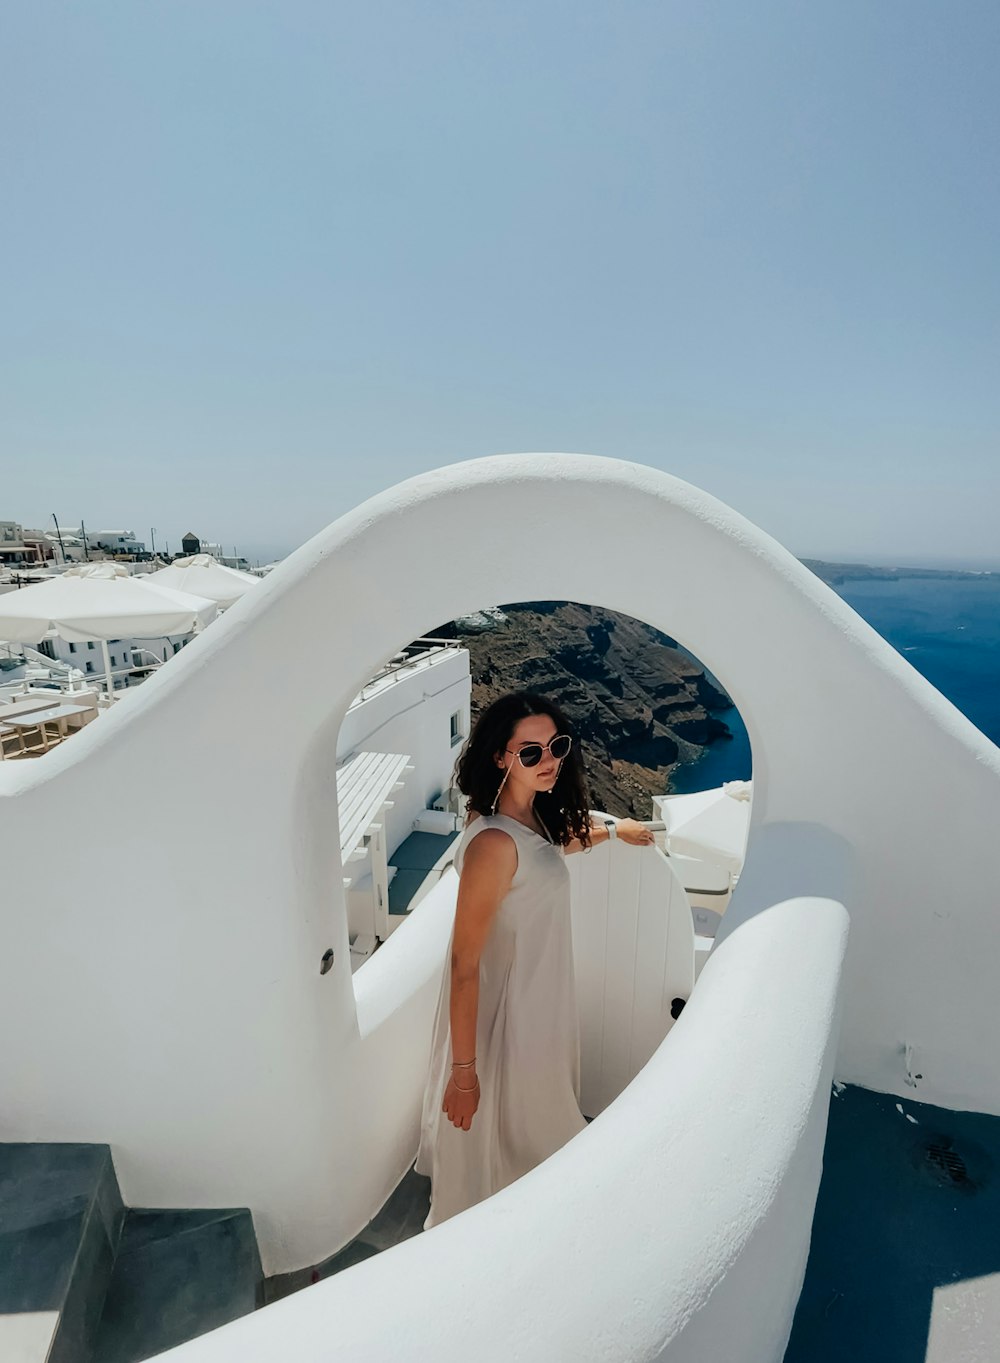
206	1046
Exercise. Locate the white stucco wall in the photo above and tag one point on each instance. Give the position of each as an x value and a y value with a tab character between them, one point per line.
675	1227
413	716
163	647
194	1032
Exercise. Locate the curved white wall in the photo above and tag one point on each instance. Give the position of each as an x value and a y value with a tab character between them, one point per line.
192	1028
676	1226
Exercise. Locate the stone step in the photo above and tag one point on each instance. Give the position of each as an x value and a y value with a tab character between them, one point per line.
61	1216
178	1274
402	1216
85	1280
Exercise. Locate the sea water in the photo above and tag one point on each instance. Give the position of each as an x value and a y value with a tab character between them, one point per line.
947	628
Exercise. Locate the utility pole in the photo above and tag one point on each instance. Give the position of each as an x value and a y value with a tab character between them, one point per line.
59	535
86	546
152	541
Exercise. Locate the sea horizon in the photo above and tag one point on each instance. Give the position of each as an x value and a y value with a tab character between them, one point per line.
947	628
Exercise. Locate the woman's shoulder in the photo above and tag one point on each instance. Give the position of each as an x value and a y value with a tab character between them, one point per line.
485	823
490	834
501	823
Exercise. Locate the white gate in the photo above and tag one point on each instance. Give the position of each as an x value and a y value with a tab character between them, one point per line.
633	949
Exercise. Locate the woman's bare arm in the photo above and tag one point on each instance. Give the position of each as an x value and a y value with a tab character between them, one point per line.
632	831
487	872
598	833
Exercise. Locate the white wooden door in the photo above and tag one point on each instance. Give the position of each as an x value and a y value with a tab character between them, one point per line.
633	949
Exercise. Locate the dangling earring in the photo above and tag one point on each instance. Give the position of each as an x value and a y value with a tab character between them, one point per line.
500	788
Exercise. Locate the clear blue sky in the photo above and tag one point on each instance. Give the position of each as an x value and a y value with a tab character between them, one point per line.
261	261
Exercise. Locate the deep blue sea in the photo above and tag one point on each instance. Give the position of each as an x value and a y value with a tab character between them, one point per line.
947	628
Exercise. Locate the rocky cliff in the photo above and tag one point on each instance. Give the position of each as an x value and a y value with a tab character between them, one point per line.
640	704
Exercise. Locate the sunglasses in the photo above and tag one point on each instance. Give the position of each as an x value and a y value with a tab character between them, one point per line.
531	753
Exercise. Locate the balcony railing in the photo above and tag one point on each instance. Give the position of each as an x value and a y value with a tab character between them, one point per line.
421	653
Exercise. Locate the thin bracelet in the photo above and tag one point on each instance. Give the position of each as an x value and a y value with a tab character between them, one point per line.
462	1064
466	1090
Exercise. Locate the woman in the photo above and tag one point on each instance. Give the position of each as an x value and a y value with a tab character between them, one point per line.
503	1087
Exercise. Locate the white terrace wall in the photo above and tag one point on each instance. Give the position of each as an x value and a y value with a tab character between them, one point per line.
413	716
194	1031
675	1227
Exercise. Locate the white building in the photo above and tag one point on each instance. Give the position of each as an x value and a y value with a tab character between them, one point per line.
430	678
116	541
68	545
127	655
18	547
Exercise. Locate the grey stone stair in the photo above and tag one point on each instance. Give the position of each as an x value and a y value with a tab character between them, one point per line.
177	1275
402	1216
61	1215
85	1280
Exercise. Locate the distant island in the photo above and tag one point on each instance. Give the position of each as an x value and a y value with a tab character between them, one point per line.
835	574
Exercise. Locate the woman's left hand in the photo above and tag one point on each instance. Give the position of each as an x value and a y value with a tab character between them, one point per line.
635	833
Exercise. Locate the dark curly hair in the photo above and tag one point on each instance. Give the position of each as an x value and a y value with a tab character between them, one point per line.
564	809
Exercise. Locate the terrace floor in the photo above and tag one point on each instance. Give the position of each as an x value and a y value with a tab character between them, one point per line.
904	1265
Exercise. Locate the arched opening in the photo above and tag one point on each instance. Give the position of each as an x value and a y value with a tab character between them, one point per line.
343	1049
652	719
326	1075
660	739
649	716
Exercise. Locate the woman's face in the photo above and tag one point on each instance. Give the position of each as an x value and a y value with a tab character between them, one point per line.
532	729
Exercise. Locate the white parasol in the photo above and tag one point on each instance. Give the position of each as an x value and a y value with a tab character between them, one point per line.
202	575
98	602
711	824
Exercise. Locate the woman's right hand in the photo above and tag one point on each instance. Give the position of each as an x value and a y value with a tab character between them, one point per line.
459	1104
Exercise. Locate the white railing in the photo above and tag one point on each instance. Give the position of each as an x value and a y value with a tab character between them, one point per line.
427	652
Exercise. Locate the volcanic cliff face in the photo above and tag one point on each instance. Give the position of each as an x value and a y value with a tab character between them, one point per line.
639	703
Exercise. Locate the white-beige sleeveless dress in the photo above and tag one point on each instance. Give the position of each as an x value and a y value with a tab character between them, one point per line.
527	1037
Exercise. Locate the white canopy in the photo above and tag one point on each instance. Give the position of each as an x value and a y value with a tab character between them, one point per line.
711	824
100	601
203	575
364	783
